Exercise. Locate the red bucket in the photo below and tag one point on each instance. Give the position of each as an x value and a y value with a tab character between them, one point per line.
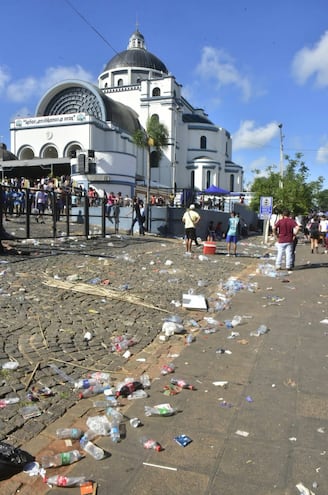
209	247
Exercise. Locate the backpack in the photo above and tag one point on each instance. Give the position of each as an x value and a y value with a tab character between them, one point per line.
314	228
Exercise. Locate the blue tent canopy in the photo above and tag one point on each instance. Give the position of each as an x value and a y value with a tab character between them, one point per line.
216	191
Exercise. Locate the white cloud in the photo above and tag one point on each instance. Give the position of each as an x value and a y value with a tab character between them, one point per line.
312	62
250	137
218	65
322	153
4	78
29	87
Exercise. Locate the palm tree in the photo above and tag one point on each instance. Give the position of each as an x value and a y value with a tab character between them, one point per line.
154	136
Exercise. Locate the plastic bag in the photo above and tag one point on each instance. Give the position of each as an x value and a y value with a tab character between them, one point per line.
12	460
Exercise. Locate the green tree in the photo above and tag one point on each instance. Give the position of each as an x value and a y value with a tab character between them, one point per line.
153	138
292	191
323	200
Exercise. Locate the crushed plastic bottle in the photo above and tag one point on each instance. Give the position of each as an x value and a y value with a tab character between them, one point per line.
149	443
189	339
8	401
262	329
65	481
138	394
100	376
145	380
236	320
182	384
160	410
128	388
99	424
168	368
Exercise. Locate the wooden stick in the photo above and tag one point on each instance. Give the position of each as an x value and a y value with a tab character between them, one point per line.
32	375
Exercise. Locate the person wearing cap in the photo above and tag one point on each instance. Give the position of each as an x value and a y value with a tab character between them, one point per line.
190	219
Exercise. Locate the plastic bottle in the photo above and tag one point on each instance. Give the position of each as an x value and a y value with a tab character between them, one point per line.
59	480
262	329
90	448
145	380
93	390
128	388
100	376
182	384
236	320
167	368
99	424
61	459
74	433
138	394
189	338
115	431
149	443
86	383
88	435
160	410
7	402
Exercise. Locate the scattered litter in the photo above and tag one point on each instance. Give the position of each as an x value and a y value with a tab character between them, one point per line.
160	410
226	404
160	467
10	365
30	412
223	384
249	398
183	440
262	329
194	301
303	490
324	321
292	439
242	433
167	368
242	341
321	430
233	335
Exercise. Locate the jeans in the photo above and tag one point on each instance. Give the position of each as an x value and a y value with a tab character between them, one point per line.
287	249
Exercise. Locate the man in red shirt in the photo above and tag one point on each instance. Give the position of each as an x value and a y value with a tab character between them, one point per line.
286	229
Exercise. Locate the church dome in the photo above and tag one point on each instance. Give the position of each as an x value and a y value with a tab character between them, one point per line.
136	55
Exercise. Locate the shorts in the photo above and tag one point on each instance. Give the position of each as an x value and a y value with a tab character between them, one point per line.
232	238
191	234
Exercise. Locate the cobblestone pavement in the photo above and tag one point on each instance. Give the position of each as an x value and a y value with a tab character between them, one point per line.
127	286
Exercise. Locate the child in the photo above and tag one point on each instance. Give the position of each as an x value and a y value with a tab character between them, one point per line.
211	231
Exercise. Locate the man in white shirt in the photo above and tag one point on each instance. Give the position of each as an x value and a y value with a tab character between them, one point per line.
190	220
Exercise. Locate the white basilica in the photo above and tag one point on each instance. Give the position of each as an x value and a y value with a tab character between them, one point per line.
90	130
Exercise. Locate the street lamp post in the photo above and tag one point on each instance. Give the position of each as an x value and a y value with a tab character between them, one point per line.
281	157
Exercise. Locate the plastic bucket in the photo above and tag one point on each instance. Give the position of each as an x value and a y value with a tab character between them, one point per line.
209	247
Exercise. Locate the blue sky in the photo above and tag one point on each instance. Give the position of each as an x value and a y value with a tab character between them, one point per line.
250	64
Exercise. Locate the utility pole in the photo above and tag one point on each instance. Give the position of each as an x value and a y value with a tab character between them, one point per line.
281	184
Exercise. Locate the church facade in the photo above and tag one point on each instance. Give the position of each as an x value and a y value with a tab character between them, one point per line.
90	129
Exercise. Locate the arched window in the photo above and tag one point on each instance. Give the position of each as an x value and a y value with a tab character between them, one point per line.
26	154
232	182
156	92
50	152
203	142
155	159
192	179
154	117
208	179
120	82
